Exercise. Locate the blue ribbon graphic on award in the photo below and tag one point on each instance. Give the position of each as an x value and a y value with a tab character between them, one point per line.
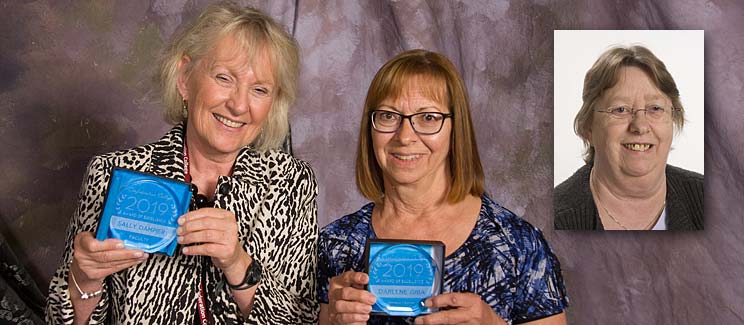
142	210
402	274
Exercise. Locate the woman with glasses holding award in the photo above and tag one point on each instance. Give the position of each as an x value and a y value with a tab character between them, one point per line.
245	250
417	160
627	121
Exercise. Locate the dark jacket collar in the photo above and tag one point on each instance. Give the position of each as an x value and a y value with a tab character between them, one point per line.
575	208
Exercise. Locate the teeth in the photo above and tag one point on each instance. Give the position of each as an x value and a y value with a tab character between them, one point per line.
637	146
227	122
406	157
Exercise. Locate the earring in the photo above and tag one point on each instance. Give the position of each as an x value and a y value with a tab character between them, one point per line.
185	109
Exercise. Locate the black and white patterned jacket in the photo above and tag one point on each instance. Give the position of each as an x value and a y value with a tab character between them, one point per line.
273	198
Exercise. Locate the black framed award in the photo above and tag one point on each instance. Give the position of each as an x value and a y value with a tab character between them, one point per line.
142	210
403	274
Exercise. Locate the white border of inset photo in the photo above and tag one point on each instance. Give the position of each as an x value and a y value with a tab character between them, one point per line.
576	51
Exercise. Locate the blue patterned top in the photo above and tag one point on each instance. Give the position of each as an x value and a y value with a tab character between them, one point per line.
505	260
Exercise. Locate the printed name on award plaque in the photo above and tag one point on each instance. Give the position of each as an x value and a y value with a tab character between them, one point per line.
142	210
402	274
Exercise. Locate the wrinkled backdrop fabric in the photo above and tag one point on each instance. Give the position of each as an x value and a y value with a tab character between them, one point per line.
77	79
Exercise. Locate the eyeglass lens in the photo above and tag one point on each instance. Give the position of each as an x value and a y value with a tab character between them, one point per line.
656	113
424	122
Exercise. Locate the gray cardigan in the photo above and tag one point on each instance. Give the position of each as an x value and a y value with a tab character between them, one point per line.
574	206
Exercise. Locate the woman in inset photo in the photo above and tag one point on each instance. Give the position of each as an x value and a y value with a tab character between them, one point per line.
630	114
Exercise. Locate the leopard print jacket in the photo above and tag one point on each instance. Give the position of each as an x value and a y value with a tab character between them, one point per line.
273	198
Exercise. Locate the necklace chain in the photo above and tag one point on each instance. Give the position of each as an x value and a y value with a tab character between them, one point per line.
648	226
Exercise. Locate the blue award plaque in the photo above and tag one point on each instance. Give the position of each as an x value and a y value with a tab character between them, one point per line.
142	210
402	274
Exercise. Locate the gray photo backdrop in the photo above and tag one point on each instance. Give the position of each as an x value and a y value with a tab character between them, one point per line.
76	79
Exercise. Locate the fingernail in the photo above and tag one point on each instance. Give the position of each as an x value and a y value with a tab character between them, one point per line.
180	239
427	302
138	254
185	250
120	245
180	221
366	317
144	256
179	230
418	321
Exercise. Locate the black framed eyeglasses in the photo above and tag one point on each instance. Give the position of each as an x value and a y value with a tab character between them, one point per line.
422	123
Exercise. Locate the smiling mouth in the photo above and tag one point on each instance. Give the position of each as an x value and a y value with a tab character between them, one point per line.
228	122
406	157
638	146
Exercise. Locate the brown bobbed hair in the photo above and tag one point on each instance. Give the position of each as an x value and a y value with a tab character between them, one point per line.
437	78
254	31
604	74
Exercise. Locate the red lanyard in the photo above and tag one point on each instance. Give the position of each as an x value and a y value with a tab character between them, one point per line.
204	320
202	310
201	307
186	167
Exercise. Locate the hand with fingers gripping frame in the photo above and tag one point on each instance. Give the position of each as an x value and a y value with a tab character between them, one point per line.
94	260
214	232
348	301
459	308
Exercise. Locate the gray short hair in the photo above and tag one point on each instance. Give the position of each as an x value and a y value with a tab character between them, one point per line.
604	74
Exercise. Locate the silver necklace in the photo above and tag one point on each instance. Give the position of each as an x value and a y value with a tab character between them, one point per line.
654	220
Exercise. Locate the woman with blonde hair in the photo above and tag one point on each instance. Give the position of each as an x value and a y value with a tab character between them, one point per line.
247	247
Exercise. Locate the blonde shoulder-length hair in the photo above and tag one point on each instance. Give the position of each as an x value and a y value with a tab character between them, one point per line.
440	81
254	31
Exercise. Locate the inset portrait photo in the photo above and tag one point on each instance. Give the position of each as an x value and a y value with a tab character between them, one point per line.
628	130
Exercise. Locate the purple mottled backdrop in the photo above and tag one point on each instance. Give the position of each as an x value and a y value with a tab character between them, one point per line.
76	79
